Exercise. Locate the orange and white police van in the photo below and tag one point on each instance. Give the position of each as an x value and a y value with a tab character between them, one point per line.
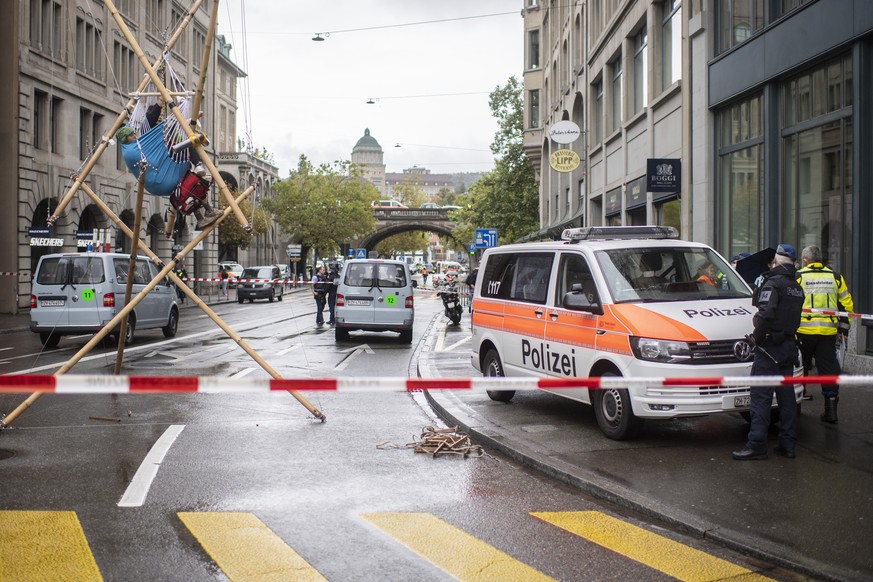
616	301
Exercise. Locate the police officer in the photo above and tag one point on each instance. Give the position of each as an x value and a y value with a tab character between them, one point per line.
779	300
818	332
333	281
319	292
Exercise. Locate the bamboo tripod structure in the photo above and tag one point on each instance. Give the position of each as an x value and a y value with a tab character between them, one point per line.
166	270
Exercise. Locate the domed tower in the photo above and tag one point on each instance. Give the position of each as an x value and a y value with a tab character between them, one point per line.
367	155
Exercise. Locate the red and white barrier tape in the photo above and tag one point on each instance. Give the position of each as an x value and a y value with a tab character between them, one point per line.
13	274
94	384
838	313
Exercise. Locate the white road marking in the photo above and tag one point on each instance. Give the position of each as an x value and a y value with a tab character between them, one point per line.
243	372
139	486
441	337
456	344
356	351
285	351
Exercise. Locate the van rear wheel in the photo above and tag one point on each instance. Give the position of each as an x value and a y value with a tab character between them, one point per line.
49	340
492	367
612	408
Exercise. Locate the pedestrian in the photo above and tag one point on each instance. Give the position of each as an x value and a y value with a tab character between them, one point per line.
470	281
737	258
423	276
183	275
333	281
225	279
319	291
818	331
779	301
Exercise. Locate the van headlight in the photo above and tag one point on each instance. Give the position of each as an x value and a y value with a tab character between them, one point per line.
655	350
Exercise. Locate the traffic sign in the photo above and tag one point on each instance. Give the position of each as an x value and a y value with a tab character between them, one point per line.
351	253
294	250
485	238
360	253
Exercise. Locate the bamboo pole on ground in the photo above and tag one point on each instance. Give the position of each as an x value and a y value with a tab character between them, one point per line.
131	265
119	121
193	296
183	123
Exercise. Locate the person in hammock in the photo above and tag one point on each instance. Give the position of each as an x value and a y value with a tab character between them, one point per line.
126	134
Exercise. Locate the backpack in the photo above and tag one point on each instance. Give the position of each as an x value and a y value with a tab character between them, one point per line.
189	194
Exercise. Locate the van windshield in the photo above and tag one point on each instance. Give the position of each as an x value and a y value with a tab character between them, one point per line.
669	274
263	273
375	275
85	270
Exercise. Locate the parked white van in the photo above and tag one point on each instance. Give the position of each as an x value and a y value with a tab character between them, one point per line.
79	293
374	295
617	301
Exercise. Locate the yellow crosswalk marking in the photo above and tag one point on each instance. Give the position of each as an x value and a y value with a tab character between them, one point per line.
672	558
246	549
44	545
454	551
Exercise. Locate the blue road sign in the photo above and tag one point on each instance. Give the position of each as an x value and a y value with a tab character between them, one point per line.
360	253
351	253
485	238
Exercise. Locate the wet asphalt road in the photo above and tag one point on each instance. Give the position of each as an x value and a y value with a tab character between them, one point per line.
312	484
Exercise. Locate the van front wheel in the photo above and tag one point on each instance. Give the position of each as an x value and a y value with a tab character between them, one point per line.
492	367
612	408
172	324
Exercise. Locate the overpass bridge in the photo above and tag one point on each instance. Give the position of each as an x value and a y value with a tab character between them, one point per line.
391	221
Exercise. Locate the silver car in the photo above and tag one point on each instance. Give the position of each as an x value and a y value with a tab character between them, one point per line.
374	295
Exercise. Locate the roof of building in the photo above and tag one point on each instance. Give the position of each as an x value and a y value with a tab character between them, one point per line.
367	142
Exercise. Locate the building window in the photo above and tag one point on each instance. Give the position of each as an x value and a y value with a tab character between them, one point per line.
533	49
181	46
87	43
89	131
46	26
46	121
817	164
616	108
741	177
641	86
125	65
534	98
155	17
786	6
738	20
597	134
671	43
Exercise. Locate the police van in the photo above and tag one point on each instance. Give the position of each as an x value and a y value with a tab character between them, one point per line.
616	301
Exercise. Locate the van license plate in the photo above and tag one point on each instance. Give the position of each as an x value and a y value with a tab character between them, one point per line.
51	303
359	302
742	401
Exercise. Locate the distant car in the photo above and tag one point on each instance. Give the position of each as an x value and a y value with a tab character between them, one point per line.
269	286
450	207
233	269
388	204
429	205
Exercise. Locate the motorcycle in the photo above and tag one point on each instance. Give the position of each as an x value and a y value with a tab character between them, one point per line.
451	301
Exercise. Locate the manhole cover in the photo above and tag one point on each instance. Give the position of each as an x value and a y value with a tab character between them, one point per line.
4	454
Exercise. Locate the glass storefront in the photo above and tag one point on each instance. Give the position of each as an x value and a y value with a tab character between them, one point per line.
817	161
741	178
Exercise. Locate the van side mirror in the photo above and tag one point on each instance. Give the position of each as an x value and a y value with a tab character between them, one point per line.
577	300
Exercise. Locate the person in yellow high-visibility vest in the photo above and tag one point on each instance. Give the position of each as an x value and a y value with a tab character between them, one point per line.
817	333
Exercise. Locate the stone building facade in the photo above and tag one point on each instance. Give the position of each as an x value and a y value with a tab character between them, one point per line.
70	71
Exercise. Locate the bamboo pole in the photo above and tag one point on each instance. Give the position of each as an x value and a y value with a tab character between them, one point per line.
131	265
191	295
204	64
119	121
183	123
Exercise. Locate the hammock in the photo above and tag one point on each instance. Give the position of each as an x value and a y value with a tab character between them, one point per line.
163	173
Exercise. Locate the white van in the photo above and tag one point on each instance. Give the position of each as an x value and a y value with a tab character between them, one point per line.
374	295
616	301
79	293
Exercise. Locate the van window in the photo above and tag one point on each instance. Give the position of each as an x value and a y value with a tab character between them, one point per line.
574	270
668	274
375	275
522	277
67	270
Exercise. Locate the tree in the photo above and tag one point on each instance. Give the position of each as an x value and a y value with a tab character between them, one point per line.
403	243
445	197
323	206
230	232
409	192
506	198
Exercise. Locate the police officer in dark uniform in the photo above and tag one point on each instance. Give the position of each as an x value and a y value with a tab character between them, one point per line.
333	281
779	300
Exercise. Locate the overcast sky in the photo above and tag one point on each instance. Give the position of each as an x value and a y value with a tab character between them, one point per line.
306	97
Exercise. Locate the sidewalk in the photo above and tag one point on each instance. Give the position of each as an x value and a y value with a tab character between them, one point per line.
813	514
